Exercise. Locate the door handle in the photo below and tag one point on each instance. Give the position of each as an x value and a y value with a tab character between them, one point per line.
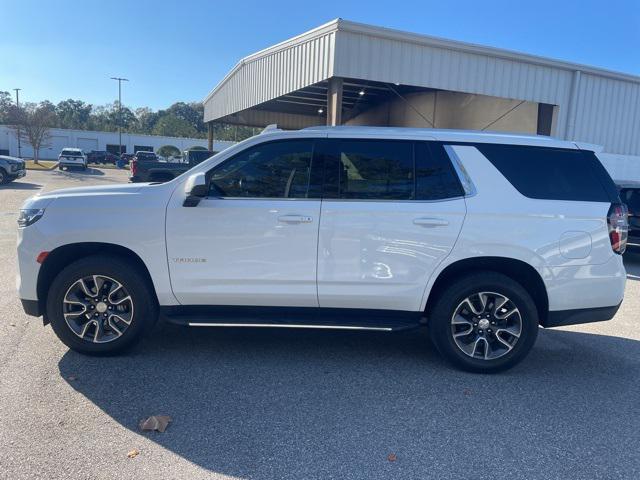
295	219
430	222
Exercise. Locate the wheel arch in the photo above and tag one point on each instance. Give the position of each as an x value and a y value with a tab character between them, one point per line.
518	270
60	257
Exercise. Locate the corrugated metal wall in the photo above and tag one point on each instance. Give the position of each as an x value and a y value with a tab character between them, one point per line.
265	77
608	114
381	59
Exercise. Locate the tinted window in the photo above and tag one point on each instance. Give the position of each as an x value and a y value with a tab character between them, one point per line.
376	169
270	170
435	177
71	153
550	173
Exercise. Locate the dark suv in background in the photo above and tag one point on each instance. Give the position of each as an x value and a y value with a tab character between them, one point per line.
630	195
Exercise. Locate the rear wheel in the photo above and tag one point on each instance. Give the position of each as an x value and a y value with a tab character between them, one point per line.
3	177
484	322
101	305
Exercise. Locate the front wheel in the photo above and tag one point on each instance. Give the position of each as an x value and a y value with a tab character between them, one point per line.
101	305
484	322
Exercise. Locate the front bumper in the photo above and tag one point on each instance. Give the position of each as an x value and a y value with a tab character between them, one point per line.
18	174
31	307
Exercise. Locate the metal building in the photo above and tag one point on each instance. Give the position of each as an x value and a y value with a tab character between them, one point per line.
350	73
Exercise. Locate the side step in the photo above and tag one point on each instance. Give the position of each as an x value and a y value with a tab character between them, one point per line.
292	317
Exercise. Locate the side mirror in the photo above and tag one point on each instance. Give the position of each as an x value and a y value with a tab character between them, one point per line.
196	188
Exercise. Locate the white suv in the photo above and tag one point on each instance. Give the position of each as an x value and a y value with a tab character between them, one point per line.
72	157
480	237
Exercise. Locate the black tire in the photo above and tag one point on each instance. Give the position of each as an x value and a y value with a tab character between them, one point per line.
137	286
60	167
453	296
3	177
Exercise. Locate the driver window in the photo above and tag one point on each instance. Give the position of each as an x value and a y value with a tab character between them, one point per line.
271	170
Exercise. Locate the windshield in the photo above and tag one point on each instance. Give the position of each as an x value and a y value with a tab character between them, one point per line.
71	153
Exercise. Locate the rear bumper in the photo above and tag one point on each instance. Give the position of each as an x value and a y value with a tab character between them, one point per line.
561	318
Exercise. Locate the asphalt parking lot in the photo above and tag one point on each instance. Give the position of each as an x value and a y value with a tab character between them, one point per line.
310	404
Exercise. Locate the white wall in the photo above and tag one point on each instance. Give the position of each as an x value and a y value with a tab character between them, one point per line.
91	140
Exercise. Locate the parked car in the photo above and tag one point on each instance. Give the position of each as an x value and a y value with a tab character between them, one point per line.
126	157
149	169
11	168
72	157
481	237
102	157
96	156
630	195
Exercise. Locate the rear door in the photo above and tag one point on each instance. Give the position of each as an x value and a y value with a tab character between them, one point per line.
391	212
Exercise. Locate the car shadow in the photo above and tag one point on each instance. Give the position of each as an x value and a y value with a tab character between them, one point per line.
266	404
19	185
72	171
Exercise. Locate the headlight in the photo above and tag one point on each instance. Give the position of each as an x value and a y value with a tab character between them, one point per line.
29	216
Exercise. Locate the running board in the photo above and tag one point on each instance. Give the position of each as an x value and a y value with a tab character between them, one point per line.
292	317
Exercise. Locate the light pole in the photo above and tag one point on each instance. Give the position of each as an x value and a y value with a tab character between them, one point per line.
18	106
120	80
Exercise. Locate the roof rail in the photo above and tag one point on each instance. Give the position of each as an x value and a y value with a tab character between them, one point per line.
271	128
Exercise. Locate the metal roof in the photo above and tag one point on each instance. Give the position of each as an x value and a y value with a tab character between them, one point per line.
595	105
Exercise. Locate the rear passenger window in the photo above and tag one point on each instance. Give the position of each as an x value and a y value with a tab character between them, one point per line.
550	173
376	169
435	177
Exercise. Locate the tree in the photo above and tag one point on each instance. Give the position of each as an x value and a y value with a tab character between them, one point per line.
170	125
169	151
32	123
73	113
5	106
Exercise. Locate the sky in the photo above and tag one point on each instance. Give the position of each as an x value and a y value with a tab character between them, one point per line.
179	50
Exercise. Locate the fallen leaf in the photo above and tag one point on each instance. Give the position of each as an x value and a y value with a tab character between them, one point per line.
133	453
72	378
467	391
12	324
158	423
392	457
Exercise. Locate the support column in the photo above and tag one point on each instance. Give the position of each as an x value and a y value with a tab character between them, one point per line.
570	126
210	136
334	102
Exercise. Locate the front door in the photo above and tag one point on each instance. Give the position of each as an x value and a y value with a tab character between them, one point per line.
391	212
254	239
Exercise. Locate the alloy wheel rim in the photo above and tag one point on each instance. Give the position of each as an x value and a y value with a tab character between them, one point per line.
486	325
98	309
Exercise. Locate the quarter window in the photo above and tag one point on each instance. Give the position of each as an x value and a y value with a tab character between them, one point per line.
552	173
270	170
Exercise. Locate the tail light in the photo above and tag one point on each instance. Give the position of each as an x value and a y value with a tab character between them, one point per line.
618	221
133	166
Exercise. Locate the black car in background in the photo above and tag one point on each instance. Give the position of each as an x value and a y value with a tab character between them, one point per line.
102	157
146	167
630	195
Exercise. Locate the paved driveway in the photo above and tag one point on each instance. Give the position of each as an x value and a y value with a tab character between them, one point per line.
306	404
